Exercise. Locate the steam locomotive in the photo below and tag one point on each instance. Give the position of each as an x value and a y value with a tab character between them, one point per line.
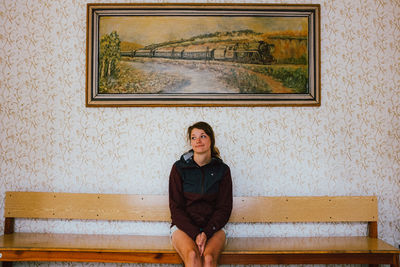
251	53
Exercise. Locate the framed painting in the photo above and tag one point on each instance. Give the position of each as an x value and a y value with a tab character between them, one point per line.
203	55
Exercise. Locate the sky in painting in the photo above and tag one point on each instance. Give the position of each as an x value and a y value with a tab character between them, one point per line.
146	30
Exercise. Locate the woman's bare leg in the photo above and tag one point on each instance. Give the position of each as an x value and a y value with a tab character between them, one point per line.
186	248
213	249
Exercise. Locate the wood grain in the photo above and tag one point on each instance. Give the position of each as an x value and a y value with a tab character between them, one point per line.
155	207
162	244
305	209
158	249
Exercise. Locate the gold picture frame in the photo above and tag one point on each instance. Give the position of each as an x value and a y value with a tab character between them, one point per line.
203	55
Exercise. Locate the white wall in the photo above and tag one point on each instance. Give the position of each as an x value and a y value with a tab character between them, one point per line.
49	140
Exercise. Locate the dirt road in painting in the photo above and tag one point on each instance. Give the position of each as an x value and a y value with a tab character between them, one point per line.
166	76
195	80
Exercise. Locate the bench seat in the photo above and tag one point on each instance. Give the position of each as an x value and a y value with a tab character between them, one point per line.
158	249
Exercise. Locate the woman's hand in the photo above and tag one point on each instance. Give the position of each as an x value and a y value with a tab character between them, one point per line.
201	240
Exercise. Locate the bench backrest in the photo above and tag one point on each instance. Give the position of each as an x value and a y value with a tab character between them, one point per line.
155	208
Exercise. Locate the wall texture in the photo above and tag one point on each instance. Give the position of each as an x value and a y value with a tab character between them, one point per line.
49	140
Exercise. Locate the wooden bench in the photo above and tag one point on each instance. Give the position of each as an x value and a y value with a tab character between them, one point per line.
157	249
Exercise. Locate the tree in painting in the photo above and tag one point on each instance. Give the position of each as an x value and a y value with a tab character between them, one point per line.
109	57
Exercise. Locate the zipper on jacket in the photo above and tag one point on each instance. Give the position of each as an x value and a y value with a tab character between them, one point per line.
202	181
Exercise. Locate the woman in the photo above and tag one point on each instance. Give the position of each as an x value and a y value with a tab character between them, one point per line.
200	199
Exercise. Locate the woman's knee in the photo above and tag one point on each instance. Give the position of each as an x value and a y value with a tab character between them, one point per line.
192	258
210	260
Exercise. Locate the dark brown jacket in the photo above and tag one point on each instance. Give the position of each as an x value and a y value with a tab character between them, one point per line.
200	198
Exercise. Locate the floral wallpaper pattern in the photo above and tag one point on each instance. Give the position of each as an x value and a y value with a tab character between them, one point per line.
49	140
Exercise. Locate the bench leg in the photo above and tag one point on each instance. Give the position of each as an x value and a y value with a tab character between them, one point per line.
396	261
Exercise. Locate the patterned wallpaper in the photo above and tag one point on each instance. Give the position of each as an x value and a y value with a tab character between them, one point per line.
49	140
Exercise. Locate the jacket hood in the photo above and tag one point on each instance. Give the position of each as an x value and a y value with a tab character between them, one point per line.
186	159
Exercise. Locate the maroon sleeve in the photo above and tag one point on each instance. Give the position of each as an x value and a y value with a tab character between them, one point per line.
223	206
177	205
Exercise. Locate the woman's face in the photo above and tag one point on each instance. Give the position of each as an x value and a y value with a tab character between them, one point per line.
200	141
